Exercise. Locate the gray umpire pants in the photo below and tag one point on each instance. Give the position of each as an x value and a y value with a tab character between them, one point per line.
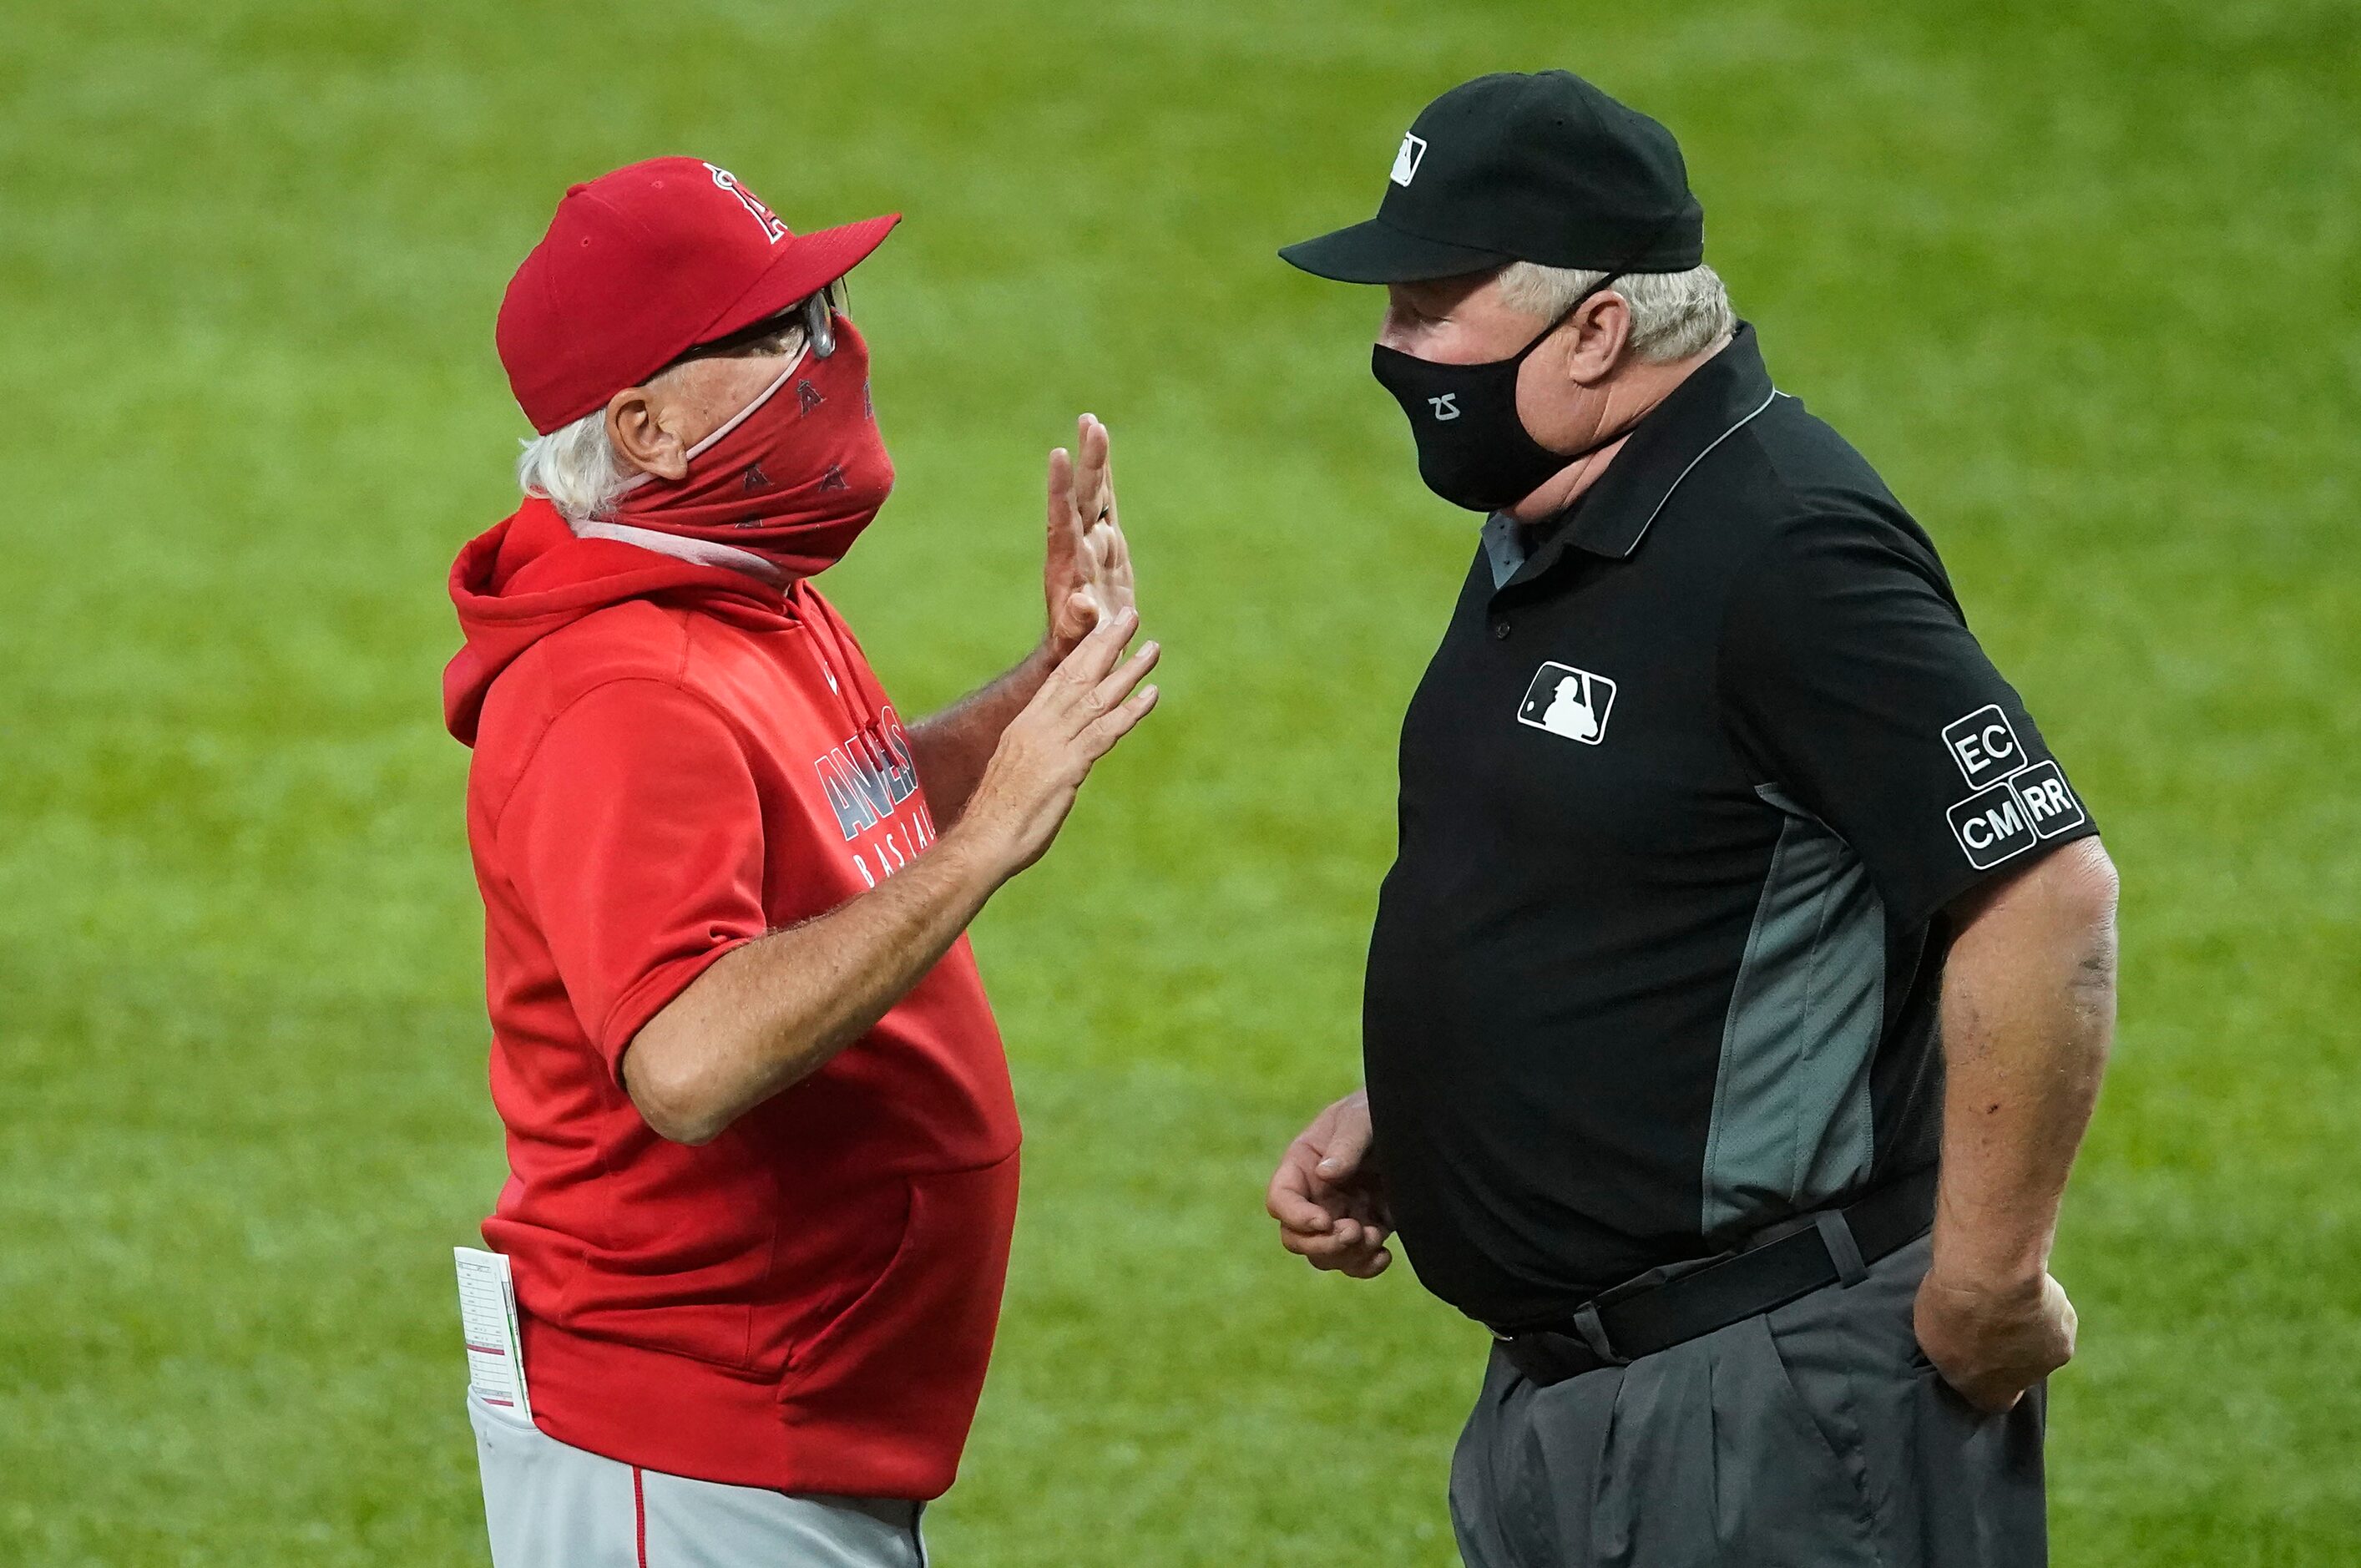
1815	1436
552	1505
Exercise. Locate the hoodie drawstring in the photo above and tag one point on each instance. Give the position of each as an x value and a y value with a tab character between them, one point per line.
868	725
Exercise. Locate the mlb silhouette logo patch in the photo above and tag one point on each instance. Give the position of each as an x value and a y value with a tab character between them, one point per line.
1569	702
1406	161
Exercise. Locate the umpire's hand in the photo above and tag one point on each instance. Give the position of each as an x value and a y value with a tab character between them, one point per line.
1327	1195
1989	1341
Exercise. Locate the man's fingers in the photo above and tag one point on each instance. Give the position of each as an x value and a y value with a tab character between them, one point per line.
1362	1207
1098	684
1119	682
1122	720
1099	543
1288	1198
1346	1145
1102	734
1320	1252
1293	1209
1091	445
1360	1255
1062	489
1095	654
1330	1251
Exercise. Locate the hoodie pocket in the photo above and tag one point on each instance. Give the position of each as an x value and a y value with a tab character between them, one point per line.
911	1349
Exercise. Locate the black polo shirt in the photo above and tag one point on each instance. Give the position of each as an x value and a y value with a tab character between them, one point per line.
1684	791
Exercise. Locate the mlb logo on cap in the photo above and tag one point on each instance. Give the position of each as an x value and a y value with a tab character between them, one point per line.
1406	161
1544	167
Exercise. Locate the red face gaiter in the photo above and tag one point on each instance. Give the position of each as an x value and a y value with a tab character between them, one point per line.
793	477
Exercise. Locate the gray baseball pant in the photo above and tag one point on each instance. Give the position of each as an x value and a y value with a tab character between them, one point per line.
1814	1436
549	1505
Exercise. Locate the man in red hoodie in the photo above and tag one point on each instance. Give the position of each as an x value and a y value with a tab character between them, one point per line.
761	1145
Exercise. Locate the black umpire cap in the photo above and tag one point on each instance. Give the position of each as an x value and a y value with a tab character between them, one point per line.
1507	167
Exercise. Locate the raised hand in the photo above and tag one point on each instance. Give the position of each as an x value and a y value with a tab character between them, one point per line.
1086	572
1086	706
1328	1197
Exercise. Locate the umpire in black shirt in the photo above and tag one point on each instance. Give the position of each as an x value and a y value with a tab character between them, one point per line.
1741	990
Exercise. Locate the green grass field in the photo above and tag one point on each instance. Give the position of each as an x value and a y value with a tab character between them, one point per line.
2083	278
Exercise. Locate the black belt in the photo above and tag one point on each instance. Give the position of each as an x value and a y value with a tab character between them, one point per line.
1832	1246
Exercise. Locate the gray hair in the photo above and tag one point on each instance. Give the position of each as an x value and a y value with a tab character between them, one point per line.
574	467
1674	315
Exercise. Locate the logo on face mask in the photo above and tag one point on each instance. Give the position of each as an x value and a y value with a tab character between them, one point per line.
1406	161
1488	459
796	487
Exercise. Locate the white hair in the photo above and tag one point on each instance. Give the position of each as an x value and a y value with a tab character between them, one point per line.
574	467
1674	315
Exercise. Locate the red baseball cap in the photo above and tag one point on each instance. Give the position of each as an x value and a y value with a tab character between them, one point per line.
643	265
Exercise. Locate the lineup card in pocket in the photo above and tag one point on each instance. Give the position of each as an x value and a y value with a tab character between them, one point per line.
488	1316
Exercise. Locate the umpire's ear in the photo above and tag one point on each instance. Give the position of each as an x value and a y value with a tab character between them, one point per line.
1601	330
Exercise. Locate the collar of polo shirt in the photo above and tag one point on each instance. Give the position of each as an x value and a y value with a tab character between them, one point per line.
1614	515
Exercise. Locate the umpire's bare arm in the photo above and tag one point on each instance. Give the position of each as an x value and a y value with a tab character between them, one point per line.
2028	1010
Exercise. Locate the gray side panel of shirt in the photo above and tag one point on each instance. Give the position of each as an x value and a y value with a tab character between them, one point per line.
1791	1113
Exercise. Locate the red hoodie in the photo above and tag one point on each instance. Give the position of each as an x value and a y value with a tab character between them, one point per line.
670	760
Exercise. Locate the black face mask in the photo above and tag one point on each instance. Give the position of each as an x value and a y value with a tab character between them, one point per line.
1473	448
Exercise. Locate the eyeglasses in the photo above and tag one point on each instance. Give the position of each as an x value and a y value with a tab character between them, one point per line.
814	316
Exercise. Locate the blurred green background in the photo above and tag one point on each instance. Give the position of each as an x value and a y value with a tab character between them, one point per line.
2082	277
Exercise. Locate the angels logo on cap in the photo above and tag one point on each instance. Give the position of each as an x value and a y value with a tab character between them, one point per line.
641	265
772	229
